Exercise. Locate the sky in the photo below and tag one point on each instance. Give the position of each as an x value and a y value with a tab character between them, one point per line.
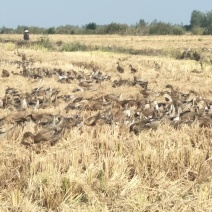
49	13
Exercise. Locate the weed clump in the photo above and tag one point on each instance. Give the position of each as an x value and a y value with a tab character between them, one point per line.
44	42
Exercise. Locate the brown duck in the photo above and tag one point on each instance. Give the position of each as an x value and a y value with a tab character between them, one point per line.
91	121
119	68
133	70
44	135
5	73
18	117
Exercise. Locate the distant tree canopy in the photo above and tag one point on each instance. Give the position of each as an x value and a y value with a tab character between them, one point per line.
115	28
162	28
51	30
142	23
197	19
91	26
5	30
200	23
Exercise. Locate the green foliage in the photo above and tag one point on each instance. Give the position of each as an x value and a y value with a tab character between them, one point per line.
178	30
67	29
91	26
171	52
141	28
141	23
74	46
208	30
161	28
197	30
197	18
21	29
37	30
51	30
208	19
201	23
44	41
5	30
32	29
115	28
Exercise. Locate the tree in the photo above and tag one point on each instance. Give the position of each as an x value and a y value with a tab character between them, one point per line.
141	23
197	19
115	28
51	30
160	28
201	23
5	30
208	19
21	29
91	26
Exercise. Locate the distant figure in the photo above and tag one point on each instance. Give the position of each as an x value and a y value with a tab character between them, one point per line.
119	68
5	73
26	35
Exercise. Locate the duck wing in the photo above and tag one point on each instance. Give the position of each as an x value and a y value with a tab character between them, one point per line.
44	135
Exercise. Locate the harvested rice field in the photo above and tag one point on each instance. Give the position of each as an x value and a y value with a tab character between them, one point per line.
105	123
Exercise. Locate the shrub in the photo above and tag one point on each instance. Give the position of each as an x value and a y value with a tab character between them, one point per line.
115	28
197	30
178	30
160	28
74	46
44	41
208	30
51	30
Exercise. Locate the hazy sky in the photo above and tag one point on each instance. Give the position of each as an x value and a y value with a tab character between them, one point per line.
48	13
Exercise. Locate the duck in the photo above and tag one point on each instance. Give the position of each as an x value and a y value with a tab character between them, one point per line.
93	105
44	135
142	83
20	116
91	121
133	70
5	73
173	91
153	124
85	84
119	68
157	66
43	119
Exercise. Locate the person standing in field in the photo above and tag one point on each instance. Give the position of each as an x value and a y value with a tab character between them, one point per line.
26	34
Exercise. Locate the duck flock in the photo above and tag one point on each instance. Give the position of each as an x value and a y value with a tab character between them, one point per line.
148	111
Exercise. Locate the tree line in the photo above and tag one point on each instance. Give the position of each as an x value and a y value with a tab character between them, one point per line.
200	23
